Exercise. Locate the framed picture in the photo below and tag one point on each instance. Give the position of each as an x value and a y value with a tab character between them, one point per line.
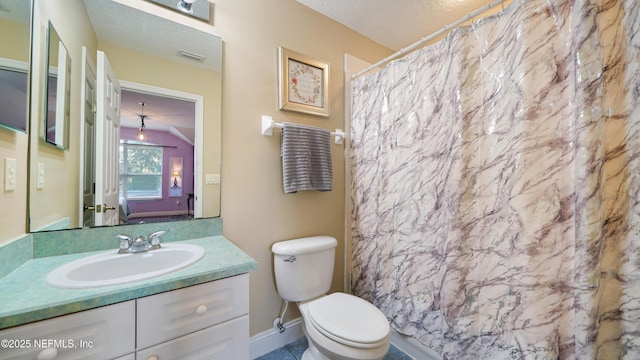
304	84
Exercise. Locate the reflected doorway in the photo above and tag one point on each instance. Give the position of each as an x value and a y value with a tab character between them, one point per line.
158	155
170	111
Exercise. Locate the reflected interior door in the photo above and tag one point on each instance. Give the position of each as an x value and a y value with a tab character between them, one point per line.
107	143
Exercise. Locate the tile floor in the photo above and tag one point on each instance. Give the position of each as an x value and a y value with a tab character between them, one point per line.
294	351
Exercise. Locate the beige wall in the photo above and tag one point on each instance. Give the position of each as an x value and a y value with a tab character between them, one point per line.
255	211
15	46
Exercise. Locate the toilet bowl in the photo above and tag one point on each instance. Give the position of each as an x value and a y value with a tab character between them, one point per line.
344	327
338	326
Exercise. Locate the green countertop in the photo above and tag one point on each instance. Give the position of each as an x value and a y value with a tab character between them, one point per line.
26	297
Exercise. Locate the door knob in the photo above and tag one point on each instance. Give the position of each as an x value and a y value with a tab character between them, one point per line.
105	207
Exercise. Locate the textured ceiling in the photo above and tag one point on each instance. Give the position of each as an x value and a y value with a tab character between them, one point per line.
13	10
129	27
395	23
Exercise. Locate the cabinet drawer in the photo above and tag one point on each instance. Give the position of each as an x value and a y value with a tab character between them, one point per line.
224	341
102	333
172	314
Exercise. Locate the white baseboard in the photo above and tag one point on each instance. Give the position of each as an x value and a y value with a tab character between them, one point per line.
267	341
413	347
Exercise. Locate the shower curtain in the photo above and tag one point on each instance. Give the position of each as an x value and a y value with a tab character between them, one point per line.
495	185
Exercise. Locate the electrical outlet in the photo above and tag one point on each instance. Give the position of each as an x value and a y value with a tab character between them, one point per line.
9	174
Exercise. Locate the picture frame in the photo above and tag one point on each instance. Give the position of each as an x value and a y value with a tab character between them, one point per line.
303	83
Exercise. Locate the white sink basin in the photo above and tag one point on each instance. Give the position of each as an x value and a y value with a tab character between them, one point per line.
111	268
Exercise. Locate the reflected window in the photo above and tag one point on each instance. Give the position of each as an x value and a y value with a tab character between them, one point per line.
141	171
13	98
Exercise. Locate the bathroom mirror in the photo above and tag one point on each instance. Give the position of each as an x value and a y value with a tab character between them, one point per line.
15	17
58	87
153	51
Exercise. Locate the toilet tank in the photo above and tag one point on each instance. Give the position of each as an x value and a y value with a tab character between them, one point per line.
304	267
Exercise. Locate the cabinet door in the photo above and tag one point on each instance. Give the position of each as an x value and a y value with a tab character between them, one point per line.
103	333
175	313
229	340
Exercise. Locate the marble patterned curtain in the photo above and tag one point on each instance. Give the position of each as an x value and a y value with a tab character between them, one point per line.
495	193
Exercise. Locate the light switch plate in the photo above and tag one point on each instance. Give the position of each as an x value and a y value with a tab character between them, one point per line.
40	184
212	179
9	174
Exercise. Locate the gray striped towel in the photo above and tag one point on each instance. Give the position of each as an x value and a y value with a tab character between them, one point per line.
306	158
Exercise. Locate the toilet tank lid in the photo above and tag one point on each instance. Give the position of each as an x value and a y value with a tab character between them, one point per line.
304	245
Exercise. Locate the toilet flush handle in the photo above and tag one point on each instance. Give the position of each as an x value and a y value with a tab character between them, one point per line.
291	259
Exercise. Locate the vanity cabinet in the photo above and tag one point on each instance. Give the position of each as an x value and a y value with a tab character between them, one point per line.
103	333
205	321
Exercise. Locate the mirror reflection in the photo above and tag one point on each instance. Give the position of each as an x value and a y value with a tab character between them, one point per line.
170	64
14	63
156	158
57	105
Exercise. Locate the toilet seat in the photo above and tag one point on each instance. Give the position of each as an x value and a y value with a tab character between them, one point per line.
349	320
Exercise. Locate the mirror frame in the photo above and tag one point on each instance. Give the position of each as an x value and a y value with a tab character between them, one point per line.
45	155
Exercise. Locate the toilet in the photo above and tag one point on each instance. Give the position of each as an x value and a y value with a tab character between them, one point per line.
338	326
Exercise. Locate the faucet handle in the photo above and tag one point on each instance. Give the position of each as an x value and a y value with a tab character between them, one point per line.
125	243
154	239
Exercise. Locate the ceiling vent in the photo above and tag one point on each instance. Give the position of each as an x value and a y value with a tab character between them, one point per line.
191	55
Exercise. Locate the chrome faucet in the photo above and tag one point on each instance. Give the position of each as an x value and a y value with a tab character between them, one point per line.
154	239
139	244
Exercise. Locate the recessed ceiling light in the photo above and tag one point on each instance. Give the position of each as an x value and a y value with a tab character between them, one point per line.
186	6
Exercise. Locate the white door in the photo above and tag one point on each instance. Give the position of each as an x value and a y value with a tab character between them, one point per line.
107	143
87	162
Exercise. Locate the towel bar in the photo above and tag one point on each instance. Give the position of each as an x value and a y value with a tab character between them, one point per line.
268	124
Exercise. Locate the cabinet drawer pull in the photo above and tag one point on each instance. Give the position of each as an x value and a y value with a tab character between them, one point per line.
153	357
48	354
201	309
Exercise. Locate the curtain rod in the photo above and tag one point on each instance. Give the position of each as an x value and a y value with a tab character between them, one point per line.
422	41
